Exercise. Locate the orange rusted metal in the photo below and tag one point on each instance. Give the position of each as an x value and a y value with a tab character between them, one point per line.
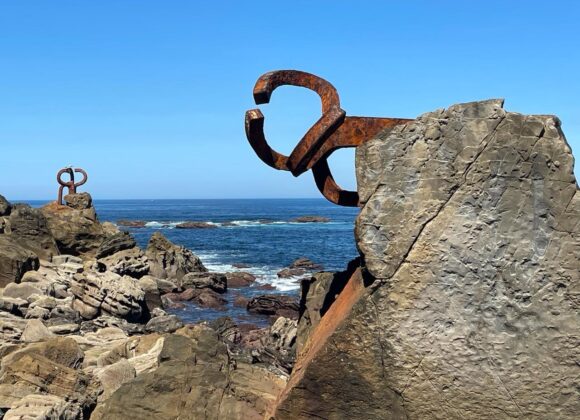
333	131
71	184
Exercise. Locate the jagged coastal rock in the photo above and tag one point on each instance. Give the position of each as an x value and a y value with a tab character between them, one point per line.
467	305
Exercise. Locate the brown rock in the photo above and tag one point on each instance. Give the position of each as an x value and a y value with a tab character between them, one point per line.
79	201
310	219
30	229
240	279
131	223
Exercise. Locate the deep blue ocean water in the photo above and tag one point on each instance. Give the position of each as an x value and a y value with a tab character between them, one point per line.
264	248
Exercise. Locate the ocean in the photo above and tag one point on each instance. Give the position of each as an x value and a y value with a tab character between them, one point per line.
258	233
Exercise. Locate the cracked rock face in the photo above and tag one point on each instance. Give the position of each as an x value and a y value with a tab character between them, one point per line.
470	237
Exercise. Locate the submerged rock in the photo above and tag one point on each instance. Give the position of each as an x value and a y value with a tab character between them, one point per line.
196	225
310	219
466	308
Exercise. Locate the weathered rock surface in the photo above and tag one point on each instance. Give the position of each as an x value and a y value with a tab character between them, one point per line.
108	294
5	206
128	262
470	232
214	281
29	228
77	232
14	261
115	243
170	261
79	201
195	380
240	279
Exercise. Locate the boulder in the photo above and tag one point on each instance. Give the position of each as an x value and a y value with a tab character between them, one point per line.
205	298
115	375
42	406
170	261
5	206
240	279
164	324
77	232
21	290
128	262
108	294
279	305
29	228
278	345
15	260
150	287
287	273
467	306
61	350
214	281
115	243
35	331
79	201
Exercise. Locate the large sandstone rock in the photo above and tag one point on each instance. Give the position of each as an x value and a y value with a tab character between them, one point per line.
15	260
115	243
470	232
170	261
5	206
29	228
108	294
76	231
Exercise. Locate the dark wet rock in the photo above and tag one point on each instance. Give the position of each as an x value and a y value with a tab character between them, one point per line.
195	225
5	206
164	324
170	261
205	298
306	264
214	281
240	279
131	223
29	228
266	286
79	201
15	260
226	328
286	273
241	265
280	305
310	219
77	232
113	244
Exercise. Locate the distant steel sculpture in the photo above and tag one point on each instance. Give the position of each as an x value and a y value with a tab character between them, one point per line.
334	130
71	184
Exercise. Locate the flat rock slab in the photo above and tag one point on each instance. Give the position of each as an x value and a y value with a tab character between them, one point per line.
470	233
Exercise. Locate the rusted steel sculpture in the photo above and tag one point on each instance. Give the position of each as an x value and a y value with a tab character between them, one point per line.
334	130
71	184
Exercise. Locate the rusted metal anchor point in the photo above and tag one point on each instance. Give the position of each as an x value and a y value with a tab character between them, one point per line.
71	184
333	131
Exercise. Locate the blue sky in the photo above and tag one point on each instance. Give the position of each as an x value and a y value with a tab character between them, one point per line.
149	96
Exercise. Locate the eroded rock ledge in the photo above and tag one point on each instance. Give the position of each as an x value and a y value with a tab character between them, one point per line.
470	237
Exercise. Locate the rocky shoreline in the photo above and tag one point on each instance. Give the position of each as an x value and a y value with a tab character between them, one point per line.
80	297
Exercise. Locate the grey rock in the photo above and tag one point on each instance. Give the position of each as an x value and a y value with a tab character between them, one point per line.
164	324
21	290
170	261
468	307
15	260
37	312
35	331
128	262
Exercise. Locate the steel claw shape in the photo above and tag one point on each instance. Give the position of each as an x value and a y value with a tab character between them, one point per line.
333	131
71	184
